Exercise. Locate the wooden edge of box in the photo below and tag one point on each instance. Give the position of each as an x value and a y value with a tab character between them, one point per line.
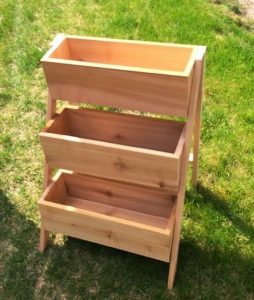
107	145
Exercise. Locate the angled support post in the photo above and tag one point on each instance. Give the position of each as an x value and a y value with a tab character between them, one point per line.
194	97
197	131
51	110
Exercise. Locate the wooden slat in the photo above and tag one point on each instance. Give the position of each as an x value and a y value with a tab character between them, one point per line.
116	239
110	231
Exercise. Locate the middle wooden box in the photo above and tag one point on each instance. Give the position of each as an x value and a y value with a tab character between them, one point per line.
122	147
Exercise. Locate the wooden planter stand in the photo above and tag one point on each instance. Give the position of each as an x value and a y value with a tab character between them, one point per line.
126	177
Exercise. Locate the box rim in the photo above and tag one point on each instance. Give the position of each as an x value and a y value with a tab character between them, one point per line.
178	149
60	38
73	139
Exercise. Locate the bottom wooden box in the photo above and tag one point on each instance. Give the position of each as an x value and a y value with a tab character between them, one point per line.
119	215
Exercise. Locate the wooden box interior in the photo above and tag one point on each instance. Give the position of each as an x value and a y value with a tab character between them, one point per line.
114	199
167	57
123	129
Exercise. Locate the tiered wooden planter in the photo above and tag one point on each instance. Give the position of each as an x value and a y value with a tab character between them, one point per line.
126	175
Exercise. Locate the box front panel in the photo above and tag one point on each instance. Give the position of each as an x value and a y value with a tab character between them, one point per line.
111	162
146	92
114	234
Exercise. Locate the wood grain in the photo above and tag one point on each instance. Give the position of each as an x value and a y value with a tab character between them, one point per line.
197	81
140	76
122	228
142	213
129	54
130	160
127	196
118	88
129	130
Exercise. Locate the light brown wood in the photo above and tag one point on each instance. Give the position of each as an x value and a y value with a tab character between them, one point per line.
133	158
173	58
44	235
142	213
145	77
126	196
104	233
126	54
117	212
51	106
145	167
197	132
43	239
118	88
62	50
185	159
124	129
51	110
117	227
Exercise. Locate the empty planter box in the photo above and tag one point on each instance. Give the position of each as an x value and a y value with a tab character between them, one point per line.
119	215
123	147
125	74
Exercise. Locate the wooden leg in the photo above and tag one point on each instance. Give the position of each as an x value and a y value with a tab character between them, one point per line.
175	245
47	175
43	239
192	115
196	152
196	133
51	109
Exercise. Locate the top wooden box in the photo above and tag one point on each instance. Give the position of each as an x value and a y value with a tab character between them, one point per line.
144	76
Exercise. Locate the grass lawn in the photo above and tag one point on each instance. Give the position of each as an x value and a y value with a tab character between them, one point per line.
217	250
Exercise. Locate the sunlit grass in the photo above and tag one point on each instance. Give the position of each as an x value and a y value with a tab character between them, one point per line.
217	250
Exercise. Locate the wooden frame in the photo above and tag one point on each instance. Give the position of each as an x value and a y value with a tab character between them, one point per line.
151	77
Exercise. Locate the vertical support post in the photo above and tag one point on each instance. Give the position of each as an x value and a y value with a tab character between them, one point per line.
51	110
197	132
196	82
43	239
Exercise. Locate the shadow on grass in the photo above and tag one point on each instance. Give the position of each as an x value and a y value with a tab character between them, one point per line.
18	252
220	205
4	99
76	269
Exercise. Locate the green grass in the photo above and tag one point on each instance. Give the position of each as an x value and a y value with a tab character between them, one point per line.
217	250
